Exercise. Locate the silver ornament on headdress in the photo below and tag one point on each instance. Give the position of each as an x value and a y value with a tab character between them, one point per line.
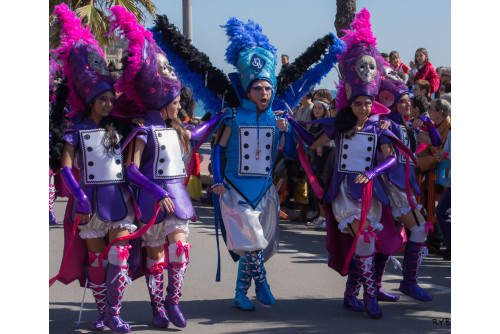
366	68
97	63
164	68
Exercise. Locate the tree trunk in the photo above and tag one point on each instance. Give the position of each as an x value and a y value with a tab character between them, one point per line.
345	15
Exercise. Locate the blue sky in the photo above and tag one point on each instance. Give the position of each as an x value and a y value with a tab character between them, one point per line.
293	25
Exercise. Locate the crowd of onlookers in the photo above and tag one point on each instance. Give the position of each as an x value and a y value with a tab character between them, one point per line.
430	92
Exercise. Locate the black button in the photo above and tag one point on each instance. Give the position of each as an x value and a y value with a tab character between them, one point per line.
89	149
91	163
369	148
268	134
162	160
346	147
117	147
370	138
367	168
343	166
268	157
268	146
245	145
87	137
160	171
247	156
119	175
91	176
118	161
246	133
267	169
344	156
368	159
245	168
163	147
159	134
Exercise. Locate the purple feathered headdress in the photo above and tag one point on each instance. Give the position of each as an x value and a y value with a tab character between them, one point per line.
83	61
147	82
361	63
391	87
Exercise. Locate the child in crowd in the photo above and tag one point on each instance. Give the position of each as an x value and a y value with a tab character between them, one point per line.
397	64
423	69
422	87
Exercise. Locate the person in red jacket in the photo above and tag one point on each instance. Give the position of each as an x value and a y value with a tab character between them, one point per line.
423	69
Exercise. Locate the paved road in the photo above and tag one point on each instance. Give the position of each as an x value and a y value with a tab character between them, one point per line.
309	294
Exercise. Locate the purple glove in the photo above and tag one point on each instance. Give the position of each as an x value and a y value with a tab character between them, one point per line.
83	207
388	163
433	132
138	178
198	132
304	134
217	156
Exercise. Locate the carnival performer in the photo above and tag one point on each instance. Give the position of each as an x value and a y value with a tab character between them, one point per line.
350	207
394	94
249	141
101	202
53	68
155	162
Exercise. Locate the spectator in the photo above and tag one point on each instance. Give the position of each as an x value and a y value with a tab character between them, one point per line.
303	114
386	57
447	97
423	69
445	74
419	106
285	61
445	87
397	64
422	87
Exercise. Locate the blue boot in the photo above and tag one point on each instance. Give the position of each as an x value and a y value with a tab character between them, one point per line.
243	282
262	290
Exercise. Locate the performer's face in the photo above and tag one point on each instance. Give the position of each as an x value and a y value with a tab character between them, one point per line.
403	105
172	109
362	107
260	94
103	104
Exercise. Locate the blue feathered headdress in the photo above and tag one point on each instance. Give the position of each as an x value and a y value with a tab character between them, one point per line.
250	52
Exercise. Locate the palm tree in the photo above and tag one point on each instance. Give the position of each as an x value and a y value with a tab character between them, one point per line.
93	14
344	16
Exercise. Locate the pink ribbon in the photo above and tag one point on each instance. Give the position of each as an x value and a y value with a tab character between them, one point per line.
182	248
157	267
367	233
68	251
313	181
123	253
429	227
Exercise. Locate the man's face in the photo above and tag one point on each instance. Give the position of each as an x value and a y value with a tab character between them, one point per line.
434	114
260	93
284	60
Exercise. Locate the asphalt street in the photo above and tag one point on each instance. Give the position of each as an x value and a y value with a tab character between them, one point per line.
309	294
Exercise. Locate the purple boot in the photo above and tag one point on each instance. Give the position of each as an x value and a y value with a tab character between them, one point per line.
97	283
154	280
352	287
380	263
176	272
367	269
117	278
414	254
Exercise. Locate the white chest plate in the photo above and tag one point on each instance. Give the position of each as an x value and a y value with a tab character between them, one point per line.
406	140
256	150
99	166
357	153
168	157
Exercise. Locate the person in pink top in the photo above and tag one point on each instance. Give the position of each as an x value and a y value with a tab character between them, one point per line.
423	69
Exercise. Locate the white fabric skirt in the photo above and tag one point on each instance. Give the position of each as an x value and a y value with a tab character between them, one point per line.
397	198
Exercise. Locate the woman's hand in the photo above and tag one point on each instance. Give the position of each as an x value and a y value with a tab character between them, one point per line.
412	65
278	112
417	123
219	190
281	123
362	178
138	121
83	219
166	204
384	124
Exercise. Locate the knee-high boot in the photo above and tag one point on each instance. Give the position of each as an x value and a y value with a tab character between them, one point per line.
154	280
352	287
97	283
177	263
117	278
380	263
414	254
243	282
366	268
255	261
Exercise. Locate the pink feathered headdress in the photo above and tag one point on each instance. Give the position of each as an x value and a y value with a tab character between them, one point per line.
83	62
147	81
361	63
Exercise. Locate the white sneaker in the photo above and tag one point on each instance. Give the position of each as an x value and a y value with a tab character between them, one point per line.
322	224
